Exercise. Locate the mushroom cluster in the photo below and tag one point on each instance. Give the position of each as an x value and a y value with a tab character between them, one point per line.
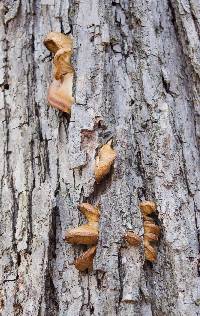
151	230
104	161
86	234
60	90
60	97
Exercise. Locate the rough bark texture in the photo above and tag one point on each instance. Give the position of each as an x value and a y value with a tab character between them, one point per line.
137	80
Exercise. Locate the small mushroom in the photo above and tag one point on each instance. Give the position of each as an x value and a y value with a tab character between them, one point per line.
147	207
60	93
151	236
62	63
56	40
132	238
85	261
90	212
149	251
104	161
149	227
86	234
148	219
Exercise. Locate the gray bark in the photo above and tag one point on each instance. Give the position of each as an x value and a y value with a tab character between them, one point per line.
137	80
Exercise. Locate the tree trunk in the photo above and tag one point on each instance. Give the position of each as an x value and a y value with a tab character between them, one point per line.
137	81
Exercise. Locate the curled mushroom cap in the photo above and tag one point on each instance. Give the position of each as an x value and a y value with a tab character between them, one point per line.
85	261
62	63
148	219
151	237
151	228
60	93
132	238
149	251
147	207
86	234
104	161
90	212
56	40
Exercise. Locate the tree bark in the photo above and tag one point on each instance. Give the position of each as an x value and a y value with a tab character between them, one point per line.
137	81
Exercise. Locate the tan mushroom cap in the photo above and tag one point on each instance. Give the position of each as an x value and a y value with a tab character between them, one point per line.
147	207
149	251
104	161
149	227
85	261
148	218
62	63
56	40
60	93
132	238
90	212
85	234
150	237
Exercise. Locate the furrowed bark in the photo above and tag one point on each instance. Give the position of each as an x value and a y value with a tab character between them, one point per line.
137	82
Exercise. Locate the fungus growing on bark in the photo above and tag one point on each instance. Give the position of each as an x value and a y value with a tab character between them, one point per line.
151	230
56	40
62	63
86	234
147	207
60	91
132	238
85	261
104	161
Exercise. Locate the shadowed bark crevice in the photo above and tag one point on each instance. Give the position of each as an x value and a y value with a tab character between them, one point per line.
50	295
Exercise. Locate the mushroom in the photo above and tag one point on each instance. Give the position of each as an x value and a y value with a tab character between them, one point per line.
85	261
149	227
60	91
149	251
151	230
56	40
62	63
132	238
86	234
104	161
147	207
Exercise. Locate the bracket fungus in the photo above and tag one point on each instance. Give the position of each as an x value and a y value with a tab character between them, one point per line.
151	230
85	261
147	207
86	234
56	40
132	238
60	90
104	161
